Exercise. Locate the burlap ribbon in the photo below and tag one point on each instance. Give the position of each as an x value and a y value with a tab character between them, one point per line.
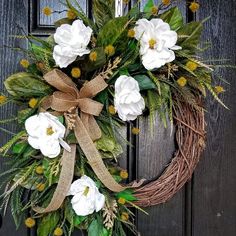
86	131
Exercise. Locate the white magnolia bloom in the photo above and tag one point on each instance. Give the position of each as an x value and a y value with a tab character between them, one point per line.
72	41
128	101
86	197
46	133
157	42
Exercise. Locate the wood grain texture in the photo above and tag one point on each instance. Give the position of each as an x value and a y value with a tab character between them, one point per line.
13	16
214	190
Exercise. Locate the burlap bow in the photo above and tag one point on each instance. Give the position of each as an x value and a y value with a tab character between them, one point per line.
86	131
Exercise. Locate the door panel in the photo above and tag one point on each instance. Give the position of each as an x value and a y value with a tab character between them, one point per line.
214	189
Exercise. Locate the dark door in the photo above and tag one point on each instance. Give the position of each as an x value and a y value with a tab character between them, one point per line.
206	206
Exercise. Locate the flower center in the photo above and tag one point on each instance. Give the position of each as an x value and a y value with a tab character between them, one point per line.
152	43
50	131
86	191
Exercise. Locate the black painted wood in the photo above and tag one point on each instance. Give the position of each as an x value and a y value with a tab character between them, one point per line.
214	189
13	16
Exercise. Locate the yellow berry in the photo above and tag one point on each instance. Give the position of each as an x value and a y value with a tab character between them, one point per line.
124	216
166	2
58	231
47	11
24	63
182	81
2	99
194	6
154	10
30	222
110	50
191	65
135	130
93	56
131	33
124	174
71	14
112	110
40	187
121	200
219	89
76	72
39	170
33	102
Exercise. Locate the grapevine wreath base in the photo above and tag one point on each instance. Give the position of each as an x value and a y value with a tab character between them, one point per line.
78	88
190	138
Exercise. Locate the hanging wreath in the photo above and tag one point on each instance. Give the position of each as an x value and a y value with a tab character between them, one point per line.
80	86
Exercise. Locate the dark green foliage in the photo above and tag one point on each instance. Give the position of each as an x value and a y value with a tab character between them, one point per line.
103	11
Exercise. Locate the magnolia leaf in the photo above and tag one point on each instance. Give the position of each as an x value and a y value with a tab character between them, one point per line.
26	85
109	147
144	82
103	11
173	17
96	229
48	224
148	6
112	31
194	31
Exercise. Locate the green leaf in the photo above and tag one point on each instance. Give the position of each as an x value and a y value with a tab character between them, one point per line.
127	195
29	152
24	114
78	220
193	30
102	97
173	17
113	31
108	146
103	11
26	85
4	149
30	182
19	147
148	6
144	82
96	229
48	224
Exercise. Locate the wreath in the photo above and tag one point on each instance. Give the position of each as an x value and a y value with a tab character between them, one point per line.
79	87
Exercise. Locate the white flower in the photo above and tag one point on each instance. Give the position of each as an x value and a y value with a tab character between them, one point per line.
46	133
72	41
157	42
128	101
86	197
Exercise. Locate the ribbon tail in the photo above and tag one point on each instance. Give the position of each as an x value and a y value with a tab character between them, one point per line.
65	180
94	157
91	126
